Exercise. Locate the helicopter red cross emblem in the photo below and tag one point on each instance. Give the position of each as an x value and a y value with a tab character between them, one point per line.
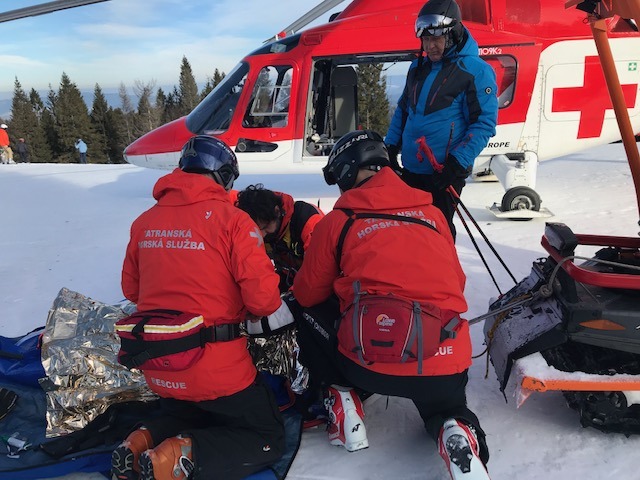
591	99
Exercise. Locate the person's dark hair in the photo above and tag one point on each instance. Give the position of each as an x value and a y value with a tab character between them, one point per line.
260	203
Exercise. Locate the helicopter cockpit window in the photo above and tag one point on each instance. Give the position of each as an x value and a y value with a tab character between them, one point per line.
269	104
214	113
505	67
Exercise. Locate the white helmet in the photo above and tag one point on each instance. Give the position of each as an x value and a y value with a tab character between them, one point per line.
4	125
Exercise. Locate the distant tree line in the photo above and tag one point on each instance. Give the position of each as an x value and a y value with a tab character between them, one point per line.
51	126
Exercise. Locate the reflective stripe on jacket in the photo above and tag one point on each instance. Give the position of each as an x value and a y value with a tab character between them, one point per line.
194	251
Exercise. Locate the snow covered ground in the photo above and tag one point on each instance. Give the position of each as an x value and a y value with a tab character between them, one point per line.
68	225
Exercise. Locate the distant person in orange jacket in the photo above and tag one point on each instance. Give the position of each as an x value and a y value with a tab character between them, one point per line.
380	265
194	251
286	226
7	156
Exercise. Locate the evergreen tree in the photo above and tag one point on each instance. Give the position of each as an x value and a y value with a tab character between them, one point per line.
72	122
23	120
212	82
25	123
188	91
118	144
218	77
161	101
102	120
126	127
373	104
172	107
148	116
40	148
47	122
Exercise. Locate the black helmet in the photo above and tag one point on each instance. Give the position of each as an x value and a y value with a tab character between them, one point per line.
440	17
204	154
355	150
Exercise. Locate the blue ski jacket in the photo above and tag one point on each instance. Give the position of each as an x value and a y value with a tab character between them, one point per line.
450	106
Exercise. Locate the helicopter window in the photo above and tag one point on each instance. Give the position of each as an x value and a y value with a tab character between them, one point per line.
518	11
349	92
505	68
269	104
475	12
214	113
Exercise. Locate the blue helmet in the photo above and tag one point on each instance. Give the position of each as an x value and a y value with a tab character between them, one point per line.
355	150
204	154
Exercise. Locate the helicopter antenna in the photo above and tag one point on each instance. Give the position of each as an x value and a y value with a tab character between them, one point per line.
320	9
43	8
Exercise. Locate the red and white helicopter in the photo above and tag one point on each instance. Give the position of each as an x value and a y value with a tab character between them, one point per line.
285	104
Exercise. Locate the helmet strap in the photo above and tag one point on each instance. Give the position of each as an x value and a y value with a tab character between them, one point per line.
225	179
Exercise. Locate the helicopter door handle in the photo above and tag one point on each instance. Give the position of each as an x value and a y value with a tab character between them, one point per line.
246	145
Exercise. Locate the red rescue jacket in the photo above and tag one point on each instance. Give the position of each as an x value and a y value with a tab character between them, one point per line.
194	251
404	259
4	138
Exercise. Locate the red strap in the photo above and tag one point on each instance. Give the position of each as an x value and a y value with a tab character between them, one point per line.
423	148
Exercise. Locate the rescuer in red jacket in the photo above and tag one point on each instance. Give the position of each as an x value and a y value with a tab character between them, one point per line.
387	240
194	251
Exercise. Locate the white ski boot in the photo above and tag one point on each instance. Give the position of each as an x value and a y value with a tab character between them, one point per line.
346	427
458	447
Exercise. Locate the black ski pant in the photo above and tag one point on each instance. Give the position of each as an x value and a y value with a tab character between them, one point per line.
437	398
233	436
441	198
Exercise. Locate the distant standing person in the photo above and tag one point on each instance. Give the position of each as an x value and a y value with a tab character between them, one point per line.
82	148
23	151
7	156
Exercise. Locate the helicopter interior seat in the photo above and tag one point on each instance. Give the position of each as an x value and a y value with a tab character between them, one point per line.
344	95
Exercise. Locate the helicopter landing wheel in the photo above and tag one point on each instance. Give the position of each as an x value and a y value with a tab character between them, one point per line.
521	198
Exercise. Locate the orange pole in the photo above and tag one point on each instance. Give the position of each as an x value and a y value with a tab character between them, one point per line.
599	31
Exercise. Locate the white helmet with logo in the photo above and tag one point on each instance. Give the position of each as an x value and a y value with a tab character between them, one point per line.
4	125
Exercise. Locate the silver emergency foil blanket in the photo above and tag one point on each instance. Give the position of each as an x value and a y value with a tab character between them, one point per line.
278	354
79	356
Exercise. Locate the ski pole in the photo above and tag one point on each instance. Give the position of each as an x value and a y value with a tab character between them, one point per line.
458	200
475	244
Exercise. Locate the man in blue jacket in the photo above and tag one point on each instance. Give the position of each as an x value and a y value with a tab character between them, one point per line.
448	109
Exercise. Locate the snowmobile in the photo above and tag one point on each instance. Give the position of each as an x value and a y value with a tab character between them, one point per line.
575	327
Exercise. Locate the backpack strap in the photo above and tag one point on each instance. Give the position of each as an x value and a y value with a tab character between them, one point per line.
353	216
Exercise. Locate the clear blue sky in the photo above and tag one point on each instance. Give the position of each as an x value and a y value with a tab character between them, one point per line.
128	40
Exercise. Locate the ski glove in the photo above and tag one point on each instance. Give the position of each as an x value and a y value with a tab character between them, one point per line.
451	171
279	321
393	151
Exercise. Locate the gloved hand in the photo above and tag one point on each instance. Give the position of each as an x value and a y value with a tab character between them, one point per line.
451	171
394	150
279	321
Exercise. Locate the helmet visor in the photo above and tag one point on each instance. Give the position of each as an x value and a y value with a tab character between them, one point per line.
433	25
